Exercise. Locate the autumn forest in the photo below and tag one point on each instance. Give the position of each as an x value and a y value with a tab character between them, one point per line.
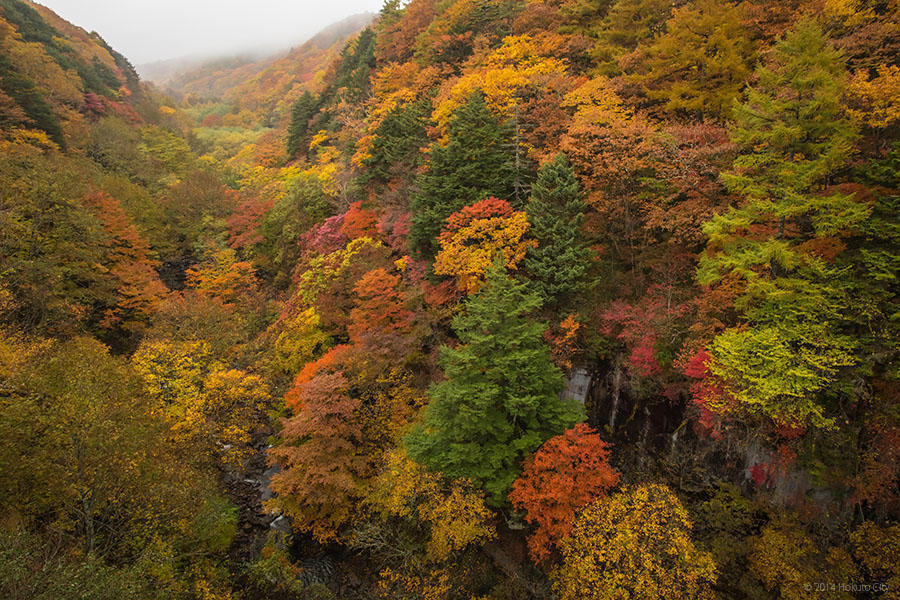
464	300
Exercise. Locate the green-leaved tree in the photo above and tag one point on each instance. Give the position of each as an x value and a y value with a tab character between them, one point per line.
558	266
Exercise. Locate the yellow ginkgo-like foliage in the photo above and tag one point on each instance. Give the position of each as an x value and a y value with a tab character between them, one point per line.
635	544
476	236
455	513
517	64
877	100
204	403
324	269
394	86
848	13
325	166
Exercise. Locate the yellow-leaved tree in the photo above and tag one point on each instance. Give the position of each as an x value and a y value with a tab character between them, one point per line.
476	236
454	512
422	524
876	100
521	62
635	544
204	403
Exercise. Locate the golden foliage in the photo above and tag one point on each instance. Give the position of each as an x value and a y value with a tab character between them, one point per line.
876	100
595	102
788	562
635	544
203	402
878	549
454	512
399	585
487	230
519	63
298	340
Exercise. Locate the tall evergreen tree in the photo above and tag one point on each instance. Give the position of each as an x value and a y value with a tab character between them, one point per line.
558	266
302	111
355	67
395	151
500	400
476	163
790	349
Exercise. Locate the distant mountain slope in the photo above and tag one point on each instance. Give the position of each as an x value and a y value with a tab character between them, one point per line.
55	76
264	86
162	73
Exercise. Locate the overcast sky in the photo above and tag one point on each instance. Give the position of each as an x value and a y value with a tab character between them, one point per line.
151	30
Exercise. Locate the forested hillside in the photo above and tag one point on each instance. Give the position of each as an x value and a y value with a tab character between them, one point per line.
506	300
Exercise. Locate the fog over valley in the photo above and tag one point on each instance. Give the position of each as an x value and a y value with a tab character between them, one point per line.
147	31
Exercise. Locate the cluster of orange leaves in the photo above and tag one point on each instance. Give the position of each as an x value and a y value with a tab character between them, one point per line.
562	477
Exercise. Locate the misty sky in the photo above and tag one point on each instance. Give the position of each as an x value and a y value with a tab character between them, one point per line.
150	30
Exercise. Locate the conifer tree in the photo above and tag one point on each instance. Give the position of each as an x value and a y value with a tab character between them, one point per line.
627	24
558	266
795	135
700	64
355	67
476	163
397	142
500	400
790	349
302	111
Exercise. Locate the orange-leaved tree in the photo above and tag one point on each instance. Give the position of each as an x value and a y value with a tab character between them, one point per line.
564	475
131	264
321	468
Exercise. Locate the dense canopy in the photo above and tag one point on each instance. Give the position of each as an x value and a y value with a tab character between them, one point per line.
472	300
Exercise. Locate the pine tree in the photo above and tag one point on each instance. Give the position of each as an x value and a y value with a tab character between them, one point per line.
476	163
355	67
500	400
558	266
302	111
